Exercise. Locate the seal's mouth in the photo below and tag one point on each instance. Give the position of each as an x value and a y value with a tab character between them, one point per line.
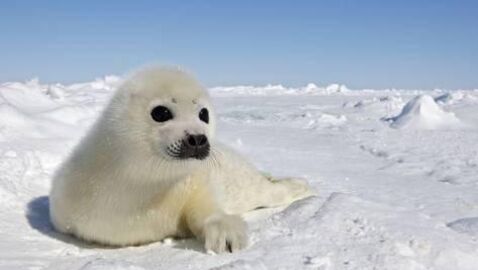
183	150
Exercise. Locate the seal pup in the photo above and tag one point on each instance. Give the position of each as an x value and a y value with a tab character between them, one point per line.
150	168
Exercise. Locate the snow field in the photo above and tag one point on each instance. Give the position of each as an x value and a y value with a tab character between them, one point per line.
394	194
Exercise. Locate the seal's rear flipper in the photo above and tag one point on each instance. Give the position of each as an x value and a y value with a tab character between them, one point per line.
286	190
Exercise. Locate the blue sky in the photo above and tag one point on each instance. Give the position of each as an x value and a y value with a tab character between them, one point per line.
361	43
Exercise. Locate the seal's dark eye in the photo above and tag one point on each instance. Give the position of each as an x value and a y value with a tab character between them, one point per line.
204	115
161	114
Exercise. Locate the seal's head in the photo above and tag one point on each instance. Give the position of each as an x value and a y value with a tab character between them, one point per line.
168	113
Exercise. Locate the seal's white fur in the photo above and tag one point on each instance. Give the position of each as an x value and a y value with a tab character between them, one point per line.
120	186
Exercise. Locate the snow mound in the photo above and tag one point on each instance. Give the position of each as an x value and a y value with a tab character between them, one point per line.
29	97
336	88
327	120
422	112
107	83
31	109
310	88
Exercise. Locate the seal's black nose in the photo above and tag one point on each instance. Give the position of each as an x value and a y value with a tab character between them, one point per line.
195	146
196	141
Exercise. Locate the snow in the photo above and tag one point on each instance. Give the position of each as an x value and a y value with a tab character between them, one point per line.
465	225
422	112
269	89
396	194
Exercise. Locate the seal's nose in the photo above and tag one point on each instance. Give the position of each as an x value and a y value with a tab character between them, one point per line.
195	146
196	141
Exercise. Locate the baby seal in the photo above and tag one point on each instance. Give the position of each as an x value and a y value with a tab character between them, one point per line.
150	168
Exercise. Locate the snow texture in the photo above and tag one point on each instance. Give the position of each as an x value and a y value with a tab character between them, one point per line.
400	194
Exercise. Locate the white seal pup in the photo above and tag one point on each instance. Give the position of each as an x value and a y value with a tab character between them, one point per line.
150	168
